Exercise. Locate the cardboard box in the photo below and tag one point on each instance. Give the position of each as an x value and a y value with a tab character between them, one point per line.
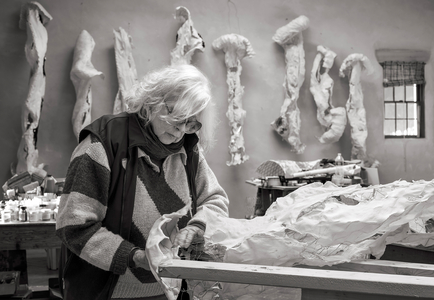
369	176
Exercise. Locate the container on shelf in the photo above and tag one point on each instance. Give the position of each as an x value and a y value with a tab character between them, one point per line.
33	215
338	177
23	214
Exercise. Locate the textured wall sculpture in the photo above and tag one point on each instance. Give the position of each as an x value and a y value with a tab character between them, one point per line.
235	47
81	75
187	40
333	119
33	18
288	124
126	68
353	66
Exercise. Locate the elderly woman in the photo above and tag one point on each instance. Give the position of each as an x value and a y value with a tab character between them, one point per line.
128	170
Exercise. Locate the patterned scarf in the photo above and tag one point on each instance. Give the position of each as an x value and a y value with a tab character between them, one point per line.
155	148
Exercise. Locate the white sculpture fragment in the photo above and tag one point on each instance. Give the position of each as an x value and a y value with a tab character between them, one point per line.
159	248
126	68
235	47
353	66
333	119
33	18
187	40
81	75
288	124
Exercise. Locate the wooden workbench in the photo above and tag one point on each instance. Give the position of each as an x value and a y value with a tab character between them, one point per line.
16	237
28	235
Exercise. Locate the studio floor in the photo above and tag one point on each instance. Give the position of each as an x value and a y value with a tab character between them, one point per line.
38	272
38	275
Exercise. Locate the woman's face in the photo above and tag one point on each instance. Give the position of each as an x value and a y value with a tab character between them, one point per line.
166	133
172	133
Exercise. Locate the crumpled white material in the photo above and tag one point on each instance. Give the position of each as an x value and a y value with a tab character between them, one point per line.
317	225
313	226
159	248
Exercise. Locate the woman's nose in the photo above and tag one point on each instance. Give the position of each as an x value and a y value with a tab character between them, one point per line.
181	127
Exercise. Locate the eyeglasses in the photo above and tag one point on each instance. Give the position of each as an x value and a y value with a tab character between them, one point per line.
191	125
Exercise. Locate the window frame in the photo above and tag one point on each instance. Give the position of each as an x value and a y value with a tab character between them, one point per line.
419	101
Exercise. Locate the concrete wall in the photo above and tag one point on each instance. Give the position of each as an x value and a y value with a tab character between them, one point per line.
357	26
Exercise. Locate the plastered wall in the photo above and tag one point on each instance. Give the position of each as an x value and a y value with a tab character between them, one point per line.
357	26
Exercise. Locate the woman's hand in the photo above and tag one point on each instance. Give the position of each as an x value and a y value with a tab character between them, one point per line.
141	260
186	235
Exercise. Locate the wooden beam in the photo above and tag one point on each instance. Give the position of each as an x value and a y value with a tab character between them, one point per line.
382	267
311	279
402	55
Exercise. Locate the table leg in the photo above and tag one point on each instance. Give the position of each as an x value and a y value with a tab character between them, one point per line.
53	255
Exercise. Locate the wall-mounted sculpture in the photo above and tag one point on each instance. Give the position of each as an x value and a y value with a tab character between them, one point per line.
33	18
235	47
353	66
333	119
81	75
288	124
187	40
126	68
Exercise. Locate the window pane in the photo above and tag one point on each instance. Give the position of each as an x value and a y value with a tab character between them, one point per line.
401	111
401	127
388	93
389	110
410	92
412	110
412	127
389	127
399	93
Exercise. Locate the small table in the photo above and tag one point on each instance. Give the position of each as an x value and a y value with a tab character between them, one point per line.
268	194
16	235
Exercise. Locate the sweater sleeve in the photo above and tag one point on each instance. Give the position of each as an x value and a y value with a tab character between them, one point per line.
83	206
209	193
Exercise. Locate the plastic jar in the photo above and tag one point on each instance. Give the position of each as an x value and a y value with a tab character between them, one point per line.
6	216
46	214
33	215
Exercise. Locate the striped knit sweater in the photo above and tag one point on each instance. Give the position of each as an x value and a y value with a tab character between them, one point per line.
83	206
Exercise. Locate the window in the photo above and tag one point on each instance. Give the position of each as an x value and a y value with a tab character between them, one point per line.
402	111
403	84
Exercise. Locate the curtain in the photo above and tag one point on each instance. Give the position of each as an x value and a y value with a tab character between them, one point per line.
397	73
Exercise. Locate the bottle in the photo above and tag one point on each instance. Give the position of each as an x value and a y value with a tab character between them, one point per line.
339	174
23	214
49	184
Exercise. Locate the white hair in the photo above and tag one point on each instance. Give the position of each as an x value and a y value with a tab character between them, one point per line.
184	86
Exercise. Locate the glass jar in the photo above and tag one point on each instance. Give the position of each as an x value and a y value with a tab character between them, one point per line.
23	215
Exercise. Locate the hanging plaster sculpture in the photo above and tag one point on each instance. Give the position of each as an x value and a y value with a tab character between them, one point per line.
81	75
235	47
353	65
126	68
333	119
187	40
33	18
288	124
